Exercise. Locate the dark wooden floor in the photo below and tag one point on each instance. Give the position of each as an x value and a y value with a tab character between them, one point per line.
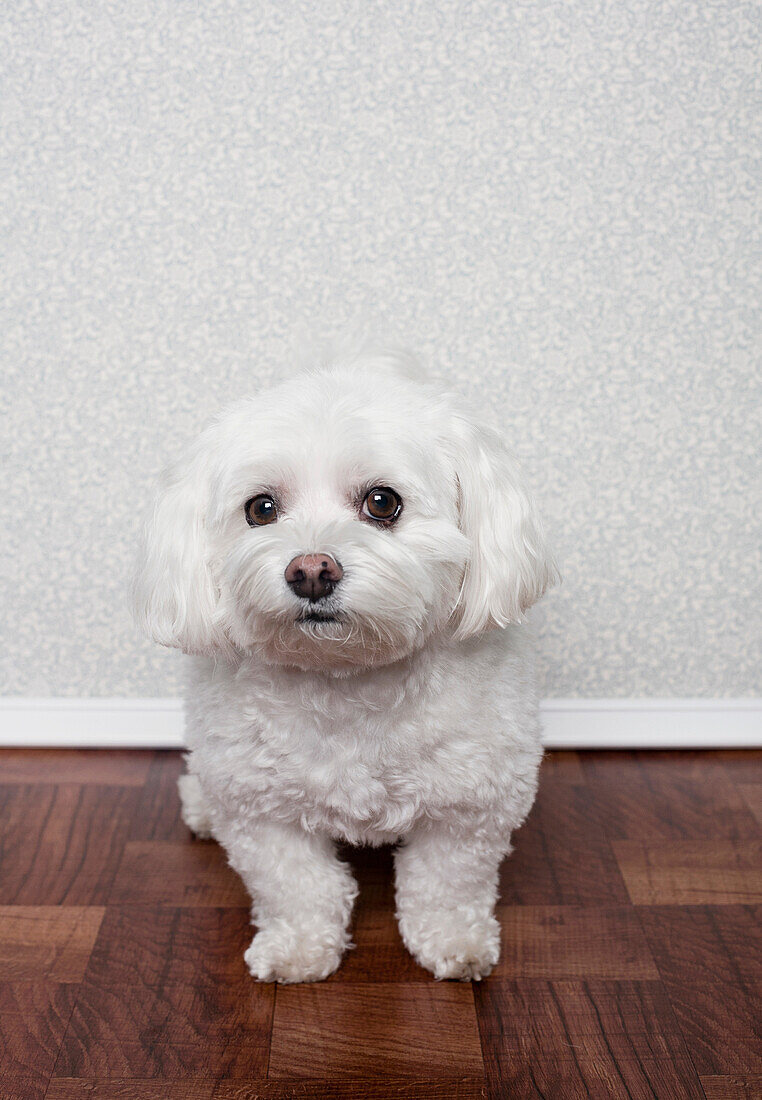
631	966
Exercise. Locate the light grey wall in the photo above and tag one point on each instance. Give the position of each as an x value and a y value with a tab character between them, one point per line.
556	200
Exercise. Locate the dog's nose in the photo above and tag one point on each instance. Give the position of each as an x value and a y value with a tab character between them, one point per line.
313	576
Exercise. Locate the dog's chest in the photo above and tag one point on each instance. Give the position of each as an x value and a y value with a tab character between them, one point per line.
358	774
363	759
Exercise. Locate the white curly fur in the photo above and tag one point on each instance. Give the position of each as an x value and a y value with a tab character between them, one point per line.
408	720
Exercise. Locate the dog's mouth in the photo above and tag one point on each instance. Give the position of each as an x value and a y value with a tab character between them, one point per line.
318	617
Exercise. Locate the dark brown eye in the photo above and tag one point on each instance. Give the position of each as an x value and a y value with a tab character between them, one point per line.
382	504
260	511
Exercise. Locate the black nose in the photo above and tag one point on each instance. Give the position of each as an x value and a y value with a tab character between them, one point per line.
313	576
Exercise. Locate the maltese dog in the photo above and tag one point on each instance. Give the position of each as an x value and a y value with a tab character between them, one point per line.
348	556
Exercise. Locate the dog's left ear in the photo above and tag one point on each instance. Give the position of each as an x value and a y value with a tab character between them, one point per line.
509	565
175	597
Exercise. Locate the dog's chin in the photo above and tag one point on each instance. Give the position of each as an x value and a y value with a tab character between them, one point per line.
330	641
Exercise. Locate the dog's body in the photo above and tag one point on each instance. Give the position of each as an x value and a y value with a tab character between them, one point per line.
338	577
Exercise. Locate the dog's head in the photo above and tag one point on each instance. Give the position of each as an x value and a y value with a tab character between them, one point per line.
338	521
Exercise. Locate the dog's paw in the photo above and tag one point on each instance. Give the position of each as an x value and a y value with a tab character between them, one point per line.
453	947
287	955
195	813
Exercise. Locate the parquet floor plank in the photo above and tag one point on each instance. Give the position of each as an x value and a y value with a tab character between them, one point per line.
182	873
154	945
571	942
33	1019
157	815
51	941
170	1030
636	795
407	1088
115	768
61	844
751	793
692	872
574	1040
732	1087
562	856
375	1031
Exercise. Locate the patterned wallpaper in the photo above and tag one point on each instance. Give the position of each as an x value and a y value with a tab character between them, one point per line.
555	203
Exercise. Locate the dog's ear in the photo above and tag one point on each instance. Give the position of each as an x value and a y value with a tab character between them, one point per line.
175	598
509	566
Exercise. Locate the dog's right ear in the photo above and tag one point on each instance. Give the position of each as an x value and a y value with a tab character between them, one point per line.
510	565
175	598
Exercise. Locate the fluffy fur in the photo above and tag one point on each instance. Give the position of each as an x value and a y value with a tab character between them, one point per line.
409	720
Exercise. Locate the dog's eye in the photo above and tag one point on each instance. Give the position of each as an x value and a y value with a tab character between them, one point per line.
260	510
382	504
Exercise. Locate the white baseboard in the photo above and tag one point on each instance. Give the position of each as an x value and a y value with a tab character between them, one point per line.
568	723
652	723
113	723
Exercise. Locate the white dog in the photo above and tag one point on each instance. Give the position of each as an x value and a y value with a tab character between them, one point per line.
336	552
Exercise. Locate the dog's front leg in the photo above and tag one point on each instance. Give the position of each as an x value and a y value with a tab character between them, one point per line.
446	882
195	808
302	899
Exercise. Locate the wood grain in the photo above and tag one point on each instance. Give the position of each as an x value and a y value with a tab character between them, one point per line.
404	1088
170	1030
732	1087
153	945
636	795
157	816
569	942
562	766
116	767
166	873
33	1019
710	962
376	1030
752	796
129	1088
390	1088
575	1040
61	845
383	956
720	1023
695	944
741	765
47	941
631	965
692	872
563	856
